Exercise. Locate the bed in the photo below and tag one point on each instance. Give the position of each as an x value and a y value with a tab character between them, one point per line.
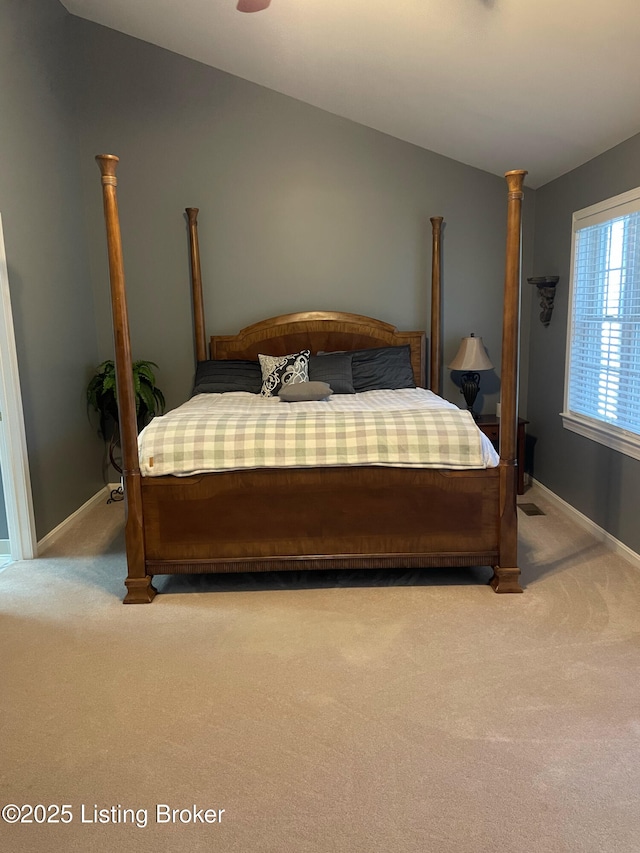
298	517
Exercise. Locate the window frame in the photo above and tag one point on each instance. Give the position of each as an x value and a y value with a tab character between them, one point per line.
612	436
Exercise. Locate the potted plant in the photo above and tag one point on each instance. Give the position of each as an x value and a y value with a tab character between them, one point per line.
101	397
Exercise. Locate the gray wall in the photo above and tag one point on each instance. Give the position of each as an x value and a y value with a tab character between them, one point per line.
601	483
41	205
299	210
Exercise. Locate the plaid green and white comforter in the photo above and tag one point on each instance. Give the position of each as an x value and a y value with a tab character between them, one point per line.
409	428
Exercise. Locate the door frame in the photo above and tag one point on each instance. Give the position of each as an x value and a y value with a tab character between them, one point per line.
13	444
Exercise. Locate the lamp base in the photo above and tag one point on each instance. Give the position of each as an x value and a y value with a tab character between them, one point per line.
470	383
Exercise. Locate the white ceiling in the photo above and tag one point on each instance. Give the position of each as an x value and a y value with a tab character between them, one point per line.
543	85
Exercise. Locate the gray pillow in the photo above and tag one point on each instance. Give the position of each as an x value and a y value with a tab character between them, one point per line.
334	368
382	368
298	392
221	375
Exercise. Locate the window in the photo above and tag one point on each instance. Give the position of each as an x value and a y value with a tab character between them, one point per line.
602	387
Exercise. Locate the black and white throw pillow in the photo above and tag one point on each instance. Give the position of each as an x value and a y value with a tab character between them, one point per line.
279	370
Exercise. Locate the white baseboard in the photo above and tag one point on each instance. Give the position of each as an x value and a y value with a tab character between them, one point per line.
5	547
600	533
51	537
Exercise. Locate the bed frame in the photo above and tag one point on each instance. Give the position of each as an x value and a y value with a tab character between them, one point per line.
351	518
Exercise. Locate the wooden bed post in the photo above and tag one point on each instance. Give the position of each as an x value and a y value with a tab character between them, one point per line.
138	582
196	285
506	574
435	363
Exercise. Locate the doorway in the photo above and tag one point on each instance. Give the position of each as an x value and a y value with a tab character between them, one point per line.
14	463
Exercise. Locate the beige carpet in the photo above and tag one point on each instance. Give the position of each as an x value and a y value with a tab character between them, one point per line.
354	713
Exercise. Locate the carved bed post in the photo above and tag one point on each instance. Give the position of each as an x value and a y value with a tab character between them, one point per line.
138	582
506	574
435	364
196	285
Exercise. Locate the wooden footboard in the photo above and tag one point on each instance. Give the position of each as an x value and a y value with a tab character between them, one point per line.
321	518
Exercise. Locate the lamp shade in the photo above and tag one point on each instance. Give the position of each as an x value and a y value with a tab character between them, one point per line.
471	355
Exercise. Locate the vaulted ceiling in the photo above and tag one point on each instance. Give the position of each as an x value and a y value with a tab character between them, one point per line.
496	84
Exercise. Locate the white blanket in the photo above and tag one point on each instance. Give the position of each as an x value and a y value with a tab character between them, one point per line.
409	428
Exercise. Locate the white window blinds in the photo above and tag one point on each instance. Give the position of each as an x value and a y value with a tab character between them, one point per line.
602	390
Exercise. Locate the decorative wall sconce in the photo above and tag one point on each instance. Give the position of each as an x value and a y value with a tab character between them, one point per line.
546	285
471	357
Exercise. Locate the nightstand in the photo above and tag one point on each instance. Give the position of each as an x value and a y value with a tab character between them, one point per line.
490	426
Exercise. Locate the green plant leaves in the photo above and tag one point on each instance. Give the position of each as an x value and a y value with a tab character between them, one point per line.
101	394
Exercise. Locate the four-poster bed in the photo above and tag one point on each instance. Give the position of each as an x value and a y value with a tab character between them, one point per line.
346	517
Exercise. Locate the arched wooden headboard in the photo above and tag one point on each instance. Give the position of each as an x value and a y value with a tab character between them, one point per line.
319	331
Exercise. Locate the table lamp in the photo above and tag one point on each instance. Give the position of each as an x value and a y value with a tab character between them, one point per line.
471	357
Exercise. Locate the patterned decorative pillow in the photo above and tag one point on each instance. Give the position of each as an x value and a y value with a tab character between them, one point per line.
279	370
